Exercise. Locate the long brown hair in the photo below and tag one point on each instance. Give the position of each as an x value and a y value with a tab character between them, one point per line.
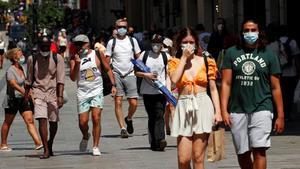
181	35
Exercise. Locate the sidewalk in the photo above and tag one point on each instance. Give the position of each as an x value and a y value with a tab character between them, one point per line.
117	153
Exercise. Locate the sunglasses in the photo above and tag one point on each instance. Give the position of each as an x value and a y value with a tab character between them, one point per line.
249	30
122	27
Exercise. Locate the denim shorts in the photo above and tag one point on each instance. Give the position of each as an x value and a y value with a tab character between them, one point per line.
251	130
85	105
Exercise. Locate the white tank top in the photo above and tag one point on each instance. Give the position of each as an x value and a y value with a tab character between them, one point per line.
89	83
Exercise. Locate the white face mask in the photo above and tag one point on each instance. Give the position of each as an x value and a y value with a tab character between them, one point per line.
45	54
220	27
184	46
156	48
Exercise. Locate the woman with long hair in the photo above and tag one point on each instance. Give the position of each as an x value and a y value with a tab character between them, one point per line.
195	112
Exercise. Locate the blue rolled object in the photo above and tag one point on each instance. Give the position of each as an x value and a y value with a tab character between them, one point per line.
142	67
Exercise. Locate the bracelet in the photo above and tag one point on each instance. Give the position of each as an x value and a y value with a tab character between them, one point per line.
61	96
114	85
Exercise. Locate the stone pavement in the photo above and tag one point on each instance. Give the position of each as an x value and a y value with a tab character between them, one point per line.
117	153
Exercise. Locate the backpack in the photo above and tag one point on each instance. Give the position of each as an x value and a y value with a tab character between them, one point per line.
114	45
145	57
112	53
54	56
34	58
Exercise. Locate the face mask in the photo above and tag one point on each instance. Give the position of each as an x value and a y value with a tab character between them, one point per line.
165	50
21	60
156	48
122	31
220	27
184	46
84	53
250	37
45	54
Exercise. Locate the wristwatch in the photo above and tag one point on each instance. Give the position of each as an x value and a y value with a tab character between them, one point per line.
114	85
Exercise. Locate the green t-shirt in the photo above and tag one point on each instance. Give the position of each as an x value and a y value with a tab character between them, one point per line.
251	71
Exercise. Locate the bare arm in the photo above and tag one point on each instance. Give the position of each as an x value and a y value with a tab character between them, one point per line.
277	97
106	67
215	100
74	67
225	93
13	83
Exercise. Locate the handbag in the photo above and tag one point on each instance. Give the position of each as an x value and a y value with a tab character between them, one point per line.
216	145
107	85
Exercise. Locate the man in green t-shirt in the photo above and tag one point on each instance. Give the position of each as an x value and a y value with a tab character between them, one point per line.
250	78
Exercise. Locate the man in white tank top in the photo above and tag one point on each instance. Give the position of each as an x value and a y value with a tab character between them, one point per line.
85	69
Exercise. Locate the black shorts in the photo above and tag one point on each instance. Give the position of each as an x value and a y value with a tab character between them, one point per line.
18	104
1	51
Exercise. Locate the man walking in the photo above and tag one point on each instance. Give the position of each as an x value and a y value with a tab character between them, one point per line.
121	50
46	76
85	69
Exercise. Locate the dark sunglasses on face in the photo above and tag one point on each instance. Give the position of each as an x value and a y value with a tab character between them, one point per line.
122	27
249	30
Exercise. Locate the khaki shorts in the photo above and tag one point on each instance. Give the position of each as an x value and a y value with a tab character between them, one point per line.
126	86
251	130
46	109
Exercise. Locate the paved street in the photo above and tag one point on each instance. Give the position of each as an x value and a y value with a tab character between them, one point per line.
117	153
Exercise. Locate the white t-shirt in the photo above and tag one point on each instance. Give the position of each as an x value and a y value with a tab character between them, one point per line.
122	55
156	64
291	70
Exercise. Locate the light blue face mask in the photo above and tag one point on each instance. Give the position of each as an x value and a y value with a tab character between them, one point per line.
22	60
122	31
250	37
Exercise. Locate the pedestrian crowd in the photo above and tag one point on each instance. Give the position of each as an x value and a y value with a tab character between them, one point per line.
217	78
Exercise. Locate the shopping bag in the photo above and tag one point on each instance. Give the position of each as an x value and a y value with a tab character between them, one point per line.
216	145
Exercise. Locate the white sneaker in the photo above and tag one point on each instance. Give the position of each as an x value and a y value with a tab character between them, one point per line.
84	143
96	151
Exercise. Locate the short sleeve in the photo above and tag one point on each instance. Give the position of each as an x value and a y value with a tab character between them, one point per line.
10	75
227	64
136	46
212	69
172	65
274	63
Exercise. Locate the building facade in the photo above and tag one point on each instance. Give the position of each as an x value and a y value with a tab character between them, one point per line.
146	14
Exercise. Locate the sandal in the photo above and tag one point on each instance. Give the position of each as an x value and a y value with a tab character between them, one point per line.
5	149
39	147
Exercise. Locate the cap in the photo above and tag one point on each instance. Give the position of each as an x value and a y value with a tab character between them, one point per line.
81	38
157	39
63	30
168	42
